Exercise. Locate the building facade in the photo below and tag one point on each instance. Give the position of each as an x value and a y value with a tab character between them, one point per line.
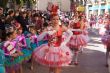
97	7
64	5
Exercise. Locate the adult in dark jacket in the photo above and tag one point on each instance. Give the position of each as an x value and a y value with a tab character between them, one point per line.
2	25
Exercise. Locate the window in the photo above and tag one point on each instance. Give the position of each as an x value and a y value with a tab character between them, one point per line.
102	11
109	11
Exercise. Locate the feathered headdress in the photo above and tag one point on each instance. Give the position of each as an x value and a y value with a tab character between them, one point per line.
54	9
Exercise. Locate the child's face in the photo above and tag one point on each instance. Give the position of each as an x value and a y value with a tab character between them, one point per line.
20	31
55	20
14	35
24	15
36	18
32	31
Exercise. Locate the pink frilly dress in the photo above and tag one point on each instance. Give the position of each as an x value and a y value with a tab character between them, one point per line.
78	38
53	54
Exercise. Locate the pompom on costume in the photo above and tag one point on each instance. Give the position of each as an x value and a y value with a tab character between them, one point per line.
53	54
9	48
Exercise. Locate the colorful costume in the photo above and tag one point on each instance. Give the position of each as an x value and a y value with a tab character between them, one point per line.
34	42
42	38
78	39
23	47
53	54
106	37
9	48
2	60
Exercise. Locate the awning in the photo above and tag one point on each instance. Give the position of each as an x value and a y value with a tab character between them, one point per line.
97	7
103	7
94	8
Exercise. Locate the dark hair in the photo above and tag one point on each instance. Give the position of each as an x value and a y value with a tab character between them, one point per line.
9	34
22	12
9	29
32	27
36	15
10	11
80	17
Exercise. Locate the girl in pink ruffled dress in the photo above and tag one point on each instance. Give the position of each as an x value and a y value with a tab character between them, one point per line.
21	42
54	54
79	38
13	56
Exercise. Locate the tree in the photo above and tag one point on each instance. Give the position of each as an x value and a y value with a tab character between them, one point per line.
3	3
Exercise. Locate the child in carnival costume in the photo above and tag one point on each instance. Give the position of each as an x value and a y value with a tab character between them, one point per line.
12	54
53	54
78	38
21	42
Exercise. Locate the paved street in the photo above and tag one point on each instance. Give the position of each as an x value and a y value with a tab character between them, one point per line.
92	60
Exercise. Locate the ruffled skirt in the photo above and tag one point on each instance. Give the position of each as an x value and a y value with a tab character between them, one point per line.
2	69
26	54
11	61
2	60
35	45
77	41
53	56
